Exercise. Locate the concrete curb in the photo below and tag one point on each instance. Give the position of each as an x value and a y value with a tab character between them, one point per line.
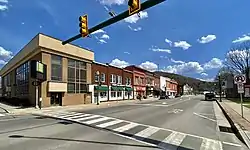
236	128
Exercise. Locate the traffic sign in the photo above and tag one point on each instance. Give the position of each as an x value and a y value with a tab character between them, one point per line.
240	87
239	79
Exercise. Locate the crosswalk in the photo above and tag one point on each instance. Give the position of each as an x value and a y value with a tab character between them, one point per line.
1	115
163	138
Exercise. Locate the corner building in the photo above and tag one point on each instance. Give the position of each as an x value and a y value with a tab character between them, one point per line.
68	73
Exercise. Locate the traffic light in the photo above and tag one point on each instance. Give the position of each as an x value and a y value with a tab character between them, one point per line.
134	6
84	25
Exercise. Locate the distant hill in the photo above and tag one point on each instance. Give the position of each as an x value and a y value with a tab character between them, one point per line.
197	84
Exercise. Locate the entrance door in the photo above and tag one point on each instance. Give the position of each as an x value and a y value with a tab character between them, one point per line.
56	99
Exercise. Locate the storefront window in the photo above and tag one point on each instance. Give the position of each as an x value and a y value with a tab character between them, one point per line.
21	79
119	94
113	93
103	94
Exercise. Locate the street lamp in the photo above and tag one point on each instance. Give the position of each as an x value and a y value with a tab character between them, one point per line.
220	86
99	83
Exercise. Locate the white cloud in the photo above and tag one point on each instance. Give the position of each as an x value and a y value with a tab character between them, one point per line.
126	53
135	29
207	39
105	36
204	74
40	26
3	7
155	49
102	41
134	18
189	67
242	39
168	41
206	79
112	2
177	61
213	63
98	31
149	66
119	63
5	55
22	23
183	44
3	1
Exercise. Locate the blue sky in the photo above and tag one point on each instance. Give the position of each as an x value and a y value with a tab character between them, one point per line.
185	37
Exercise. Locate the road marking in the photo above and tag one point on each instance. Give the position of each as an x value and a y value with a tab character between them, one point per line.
77	116
69	115
177	137
126	127
104	125
147	132
232	144
208	144
164	103
96	120
174	138
204	117
89	117
1	115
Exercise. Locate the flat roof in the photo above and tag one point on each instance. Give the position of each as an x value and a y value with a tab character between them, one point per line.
42	42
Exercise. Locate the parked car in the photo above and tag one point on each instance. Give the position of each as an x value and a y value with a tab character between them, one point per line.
209	96
164	97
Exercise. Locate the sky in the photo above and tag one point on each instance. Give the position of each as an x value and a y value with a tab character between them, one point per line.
188	37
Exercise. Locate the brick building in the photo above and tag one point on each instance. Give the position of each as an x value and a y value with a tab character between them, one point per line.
115	83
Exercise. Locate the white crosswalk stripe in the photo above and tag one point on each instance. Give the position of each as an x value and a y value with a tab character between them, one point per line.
78	116
172	141
96	120
147	132
208	144
126	127
175	138
107	124
1	115
89	117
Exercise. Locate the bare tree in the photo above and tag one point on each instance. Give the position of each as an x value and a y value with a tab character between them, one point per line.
238	59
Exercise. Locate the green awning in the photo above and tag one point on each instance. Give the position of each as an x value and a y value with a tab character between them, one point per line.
101	88
129	89
117	88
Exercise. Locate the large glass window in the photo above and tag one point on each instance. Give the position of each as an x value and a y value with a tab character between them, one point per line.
56	68
77	76
119	79
22	79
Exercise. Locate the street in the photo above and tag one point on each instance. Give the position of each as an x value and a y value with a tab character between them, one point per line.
181	123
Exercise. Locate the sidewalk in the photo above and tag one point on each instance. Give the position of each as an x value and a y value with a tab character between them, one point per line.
107	104
233	110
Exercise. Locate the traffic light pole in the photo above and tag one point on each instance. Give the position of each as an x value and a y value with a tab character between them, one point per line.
144	6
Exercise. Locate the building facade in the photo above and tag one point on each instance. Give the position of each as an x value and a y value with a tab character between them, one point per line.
139	80
157	89
150	83
171	85
68	73
163	85
187	89
110	83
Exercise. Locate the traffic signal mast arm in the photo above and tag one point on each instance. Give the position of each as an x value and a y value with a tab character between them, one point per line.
145	5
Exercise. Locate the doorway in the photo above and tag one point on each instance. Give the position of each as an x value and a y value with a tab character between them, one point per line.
56	99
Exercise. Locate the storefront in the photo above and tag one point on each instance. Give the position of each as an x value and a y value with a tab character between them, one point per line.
140	91
128	93
100	92
116	93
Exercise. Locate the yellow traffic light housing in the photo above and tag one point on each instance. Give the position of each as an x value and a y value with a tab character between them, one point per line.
134	6
84	31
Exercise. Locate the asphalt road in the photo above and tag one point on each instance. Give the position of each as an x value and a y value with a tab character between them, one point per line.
182	123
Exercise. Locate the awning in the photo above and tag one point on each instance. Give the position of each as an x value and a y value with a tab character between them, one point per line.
128	89
101	88
117	88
